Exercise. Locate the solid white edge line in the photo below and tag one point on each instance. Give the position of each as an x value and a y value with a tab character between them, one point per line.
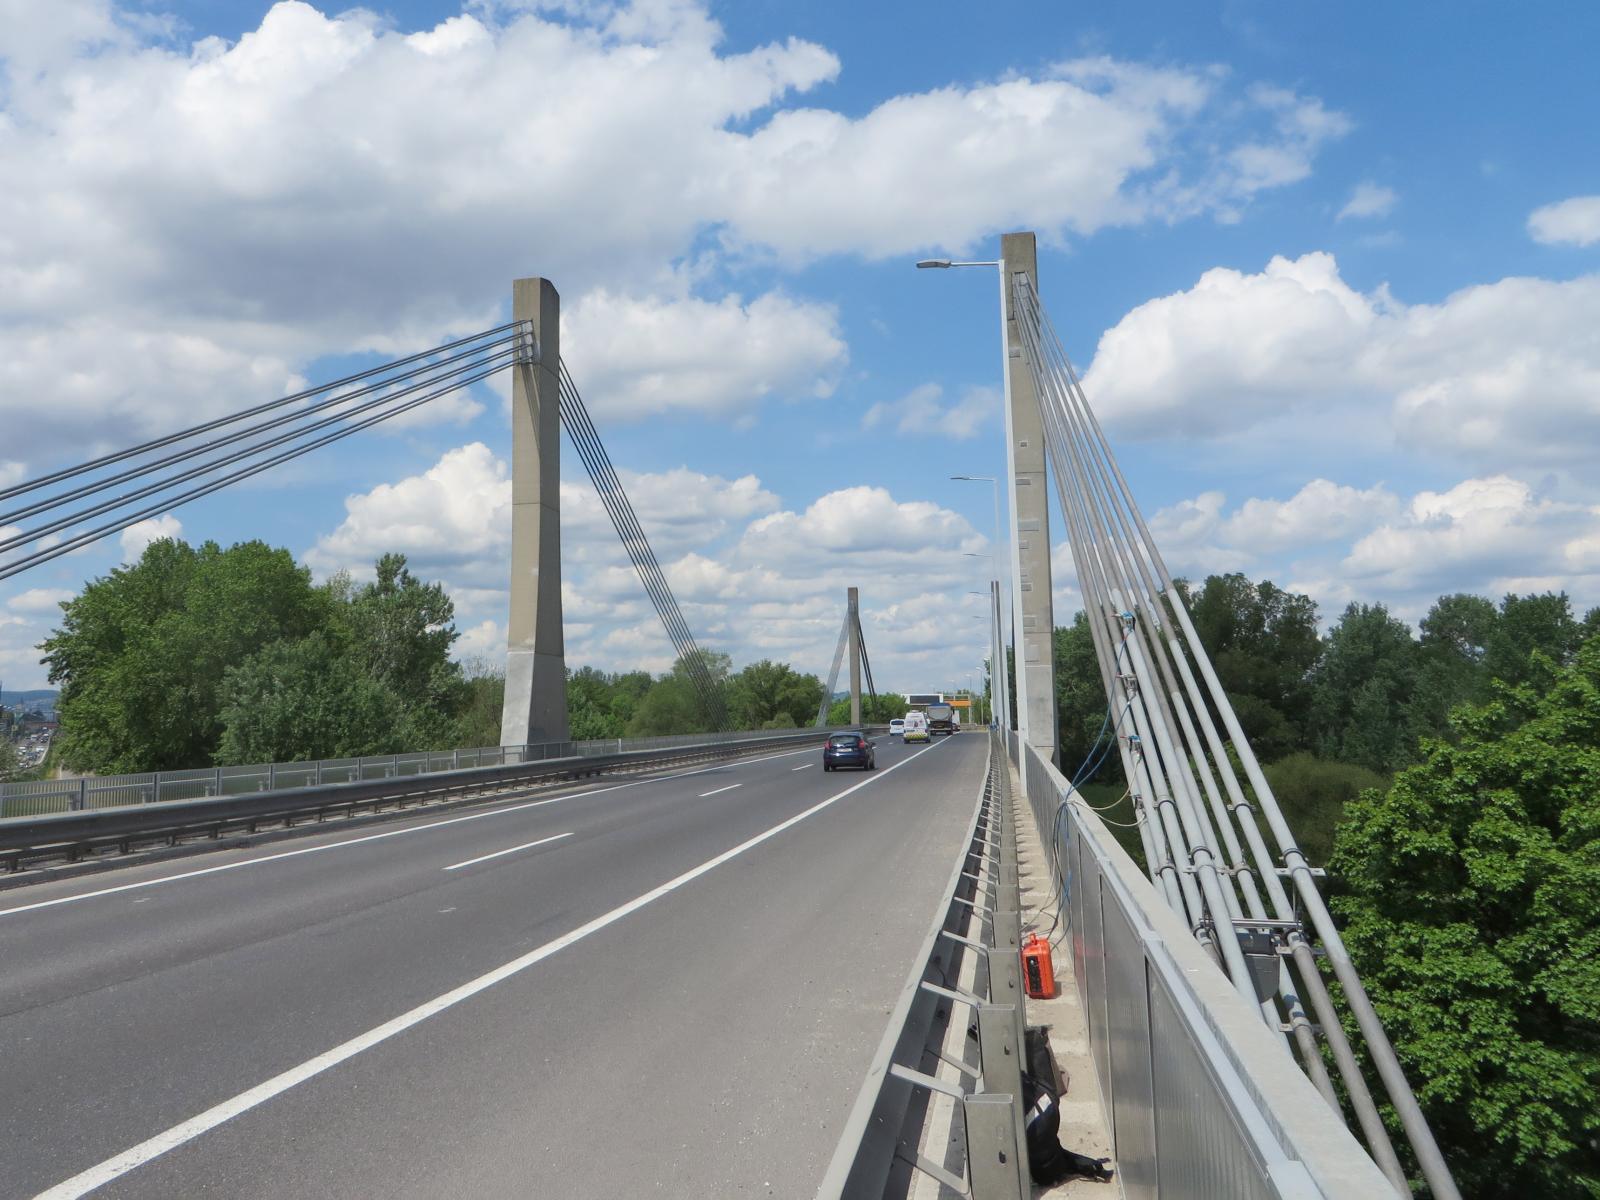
118	1165
719	791
508	850
373	837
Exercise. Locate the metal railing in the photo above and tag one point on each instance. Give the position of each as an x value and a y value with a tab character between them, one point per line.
1200	1098
32	798
978	925
70	835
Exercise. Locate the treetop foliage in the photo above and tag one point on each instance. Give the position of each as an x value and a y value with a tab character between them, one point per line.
1470	893
142	653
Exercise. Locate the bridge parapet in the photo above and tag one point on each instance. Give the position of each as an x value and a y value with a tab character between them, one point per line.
1200	1097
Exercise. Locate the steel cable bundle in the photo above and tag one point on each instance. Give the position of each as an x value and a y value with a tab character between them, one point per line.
331	412
1175	758
580	429
218	453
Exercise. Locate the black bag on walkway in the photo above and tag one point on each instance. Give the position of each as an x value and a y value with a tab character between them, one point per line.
1048	1160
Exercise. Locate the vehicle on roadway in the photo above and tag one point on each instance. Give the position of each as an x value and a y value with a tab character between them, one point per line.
849	749
897	727
941	720
916	727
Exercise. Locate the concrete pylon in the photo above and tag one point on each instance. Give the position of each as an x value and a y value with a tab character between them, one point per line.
853	627
536	663
1033	615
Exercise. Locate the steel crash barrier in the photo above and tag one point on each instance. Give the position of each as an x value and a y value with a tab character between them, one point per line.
1200	1097
977	927
70	835
37	797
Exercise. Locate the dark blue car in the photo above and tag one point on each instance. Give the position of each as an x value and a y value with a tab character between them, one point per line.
848	750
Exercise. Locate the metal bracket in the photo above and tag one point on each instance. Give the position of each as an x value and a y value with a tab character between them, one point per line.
965	941
958	995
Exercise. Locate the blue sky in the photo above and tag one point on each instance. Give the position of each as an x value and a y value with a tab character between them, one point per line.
1331	273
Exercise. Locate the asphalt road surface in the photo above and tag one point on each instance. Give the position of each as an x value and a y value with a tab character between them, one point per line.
668	986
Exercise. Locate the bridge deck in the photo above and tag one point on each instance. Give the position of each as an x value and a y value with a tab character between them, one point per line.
706	1042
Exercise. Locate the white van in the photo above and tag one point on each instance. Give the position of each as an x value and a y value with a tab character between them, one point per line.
916	727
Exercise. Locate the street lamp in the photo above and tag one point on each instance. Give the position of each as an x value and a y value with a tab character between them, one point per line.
1014	583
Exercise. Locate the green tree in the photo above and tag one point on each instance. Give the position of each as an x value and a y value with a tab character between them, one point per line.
591	706
1263	641
481	705
1450	662
1470	893
1081	701
306	699
1362	689
400	631
1527	623
141	653
675	703
886	708
1313	794
772	695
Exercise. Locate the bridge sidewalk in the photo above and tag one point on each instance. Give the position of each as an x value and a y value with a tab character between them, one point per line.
1083	1127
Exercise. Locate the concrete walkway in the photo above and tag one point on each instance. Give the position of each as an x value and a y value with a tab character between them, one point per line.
1083	1126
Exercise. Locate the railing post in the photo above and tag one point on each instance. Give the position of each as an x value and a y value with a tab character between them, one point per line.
272	777
991	1147
217	777
1002	1075
81	800
1005	969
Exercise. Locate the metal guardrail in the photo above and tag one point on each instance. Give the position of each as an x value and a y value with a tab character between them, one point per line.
41	796
880	1143
1200	1098
69	834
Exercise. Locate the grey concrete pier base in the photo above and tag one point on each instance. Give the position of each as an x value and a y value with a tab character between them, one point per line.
536	668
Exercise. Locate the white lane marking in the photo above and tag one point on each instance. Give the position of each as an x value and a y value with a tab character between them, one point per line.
118	1165
719	791
373	837
509	850
801	767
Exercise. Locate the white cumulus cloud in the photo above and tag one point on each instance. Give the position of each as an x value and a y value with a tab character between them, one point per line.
753	578
1487	529
1369	200
923	411
39	600
1505	373
226	212
1574	222
137	538
635	357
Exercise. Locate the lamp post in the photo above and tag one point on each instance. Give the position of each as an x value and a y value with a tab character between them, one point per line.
1015	581
998	691
1002	670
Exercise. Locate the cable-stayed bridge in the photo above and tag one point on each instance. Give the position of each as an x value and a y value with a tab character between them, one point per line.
704	968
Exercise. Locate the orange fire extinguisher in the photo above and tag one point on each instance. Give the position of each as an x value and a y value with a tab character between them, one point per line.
1038	971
